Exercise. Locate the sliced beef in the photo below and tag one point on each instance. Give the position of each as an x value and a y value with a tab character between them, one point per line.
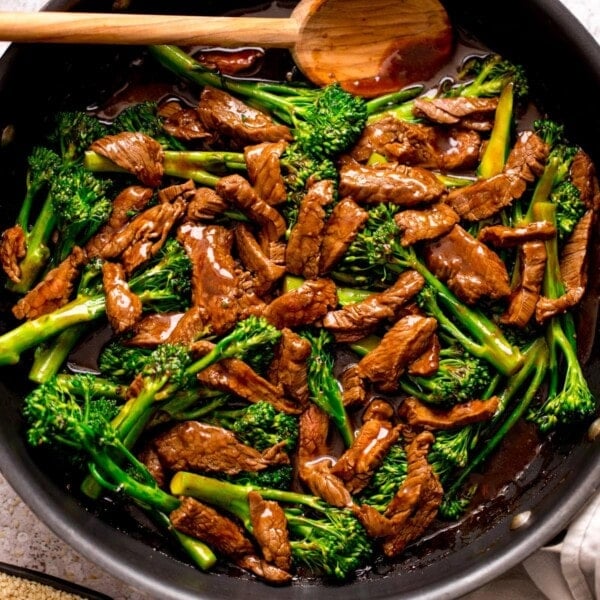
346	220
264	170
13	248
418	414
205	205
486	197
303	251
425	224
123	307
183	123
196	446
269	528
314	469
216	284
288	369
230	62
471	270
238	192
502	236
524	298
353	388
193	325
54	290
428	363
134	152
236	123
236	377
302	306
153	329
376	436
388	182
473	113
418	145
355	321
583	175
405	341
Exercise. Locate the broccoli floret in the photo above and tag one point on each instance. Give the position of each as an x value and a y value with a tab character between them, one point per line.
278	478
386	480
259	425
332	542
459	377
376	257
569	208
121	362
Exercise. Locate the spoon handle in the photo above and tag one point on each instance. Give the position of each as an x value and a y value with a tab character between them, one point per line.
107	28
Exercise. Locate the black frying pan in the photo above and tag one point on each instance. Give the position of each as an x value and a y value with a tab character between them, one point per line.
563	61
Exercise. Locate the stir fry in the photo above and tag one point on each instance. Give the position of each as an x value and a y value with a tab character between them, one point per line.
320	315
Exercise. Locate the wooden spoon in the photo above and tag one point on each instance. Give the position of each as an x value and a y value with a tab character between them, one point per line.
368	46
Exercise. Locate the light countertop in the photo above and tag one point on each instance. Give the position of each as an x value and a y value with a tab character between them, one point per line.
26	542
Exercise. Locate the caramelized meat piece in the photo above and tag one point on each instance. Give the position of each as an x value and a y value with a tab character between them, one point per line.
216	284
503	236
205	205
264	570
153	329
134	152
236	377
304	245
372	443
171	193
472	113
193	324
313	469
486	197
123	307
265	272
470	268
234	121
355	321
583	175
428	363
196	446
406	340
288	369
418	414
346	220
269	527
523	300
183	123
238	192
230	61
399	184
54	290
425	224
418	145
302	306
353	389
13	248
264	170
150	459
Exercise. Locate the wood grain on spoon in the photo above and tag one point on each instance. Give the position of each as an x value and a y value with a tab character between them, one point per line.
368	46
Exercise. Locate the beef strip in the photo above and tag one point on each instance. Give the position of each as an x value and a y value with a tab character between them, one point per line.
153	329
205	205
404	342
502	236
123	307
573	269
185	190
237	191
524	298
474	113
470	268
419	145
288	369
183	123
353	389
303	251
230	62
388	182
314	469
216	284
193	324
303	305
486	197
265	272
376	436
345	221
236	123
269	528
425	224
355	321
13	248
236	377
583	175
54	290
196	446
264	170
418	414
428	363
134	152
